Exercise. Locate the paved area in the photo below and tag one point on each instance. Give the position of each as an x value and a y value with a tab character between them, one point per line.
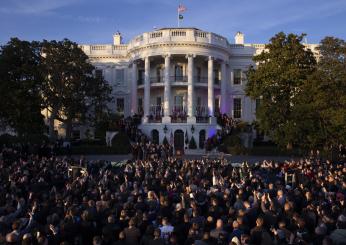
233	159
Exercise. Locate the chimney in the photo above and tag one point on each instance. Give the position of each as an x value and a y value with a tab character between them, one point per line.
117	39
239	38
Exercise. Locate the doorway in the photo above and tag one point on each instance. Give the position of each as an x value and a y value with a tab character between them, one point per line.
179	140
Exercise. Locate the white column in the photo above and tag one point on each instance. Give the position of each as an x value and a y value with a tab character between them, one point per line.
167	91
146	88
211	86
223	88
134	93
190	88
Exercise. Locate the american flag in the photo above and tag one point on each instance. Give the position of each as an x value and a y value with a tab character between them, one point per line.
181	8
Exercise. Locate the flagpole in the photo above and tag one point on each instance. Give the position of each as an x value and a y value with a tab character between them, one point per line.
178	18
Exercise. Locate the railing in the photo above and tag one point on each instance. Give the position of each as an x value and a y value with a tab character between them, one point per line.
159	79
201	34
156	34
154	119
120	47
202	119
179	114
156	113
178	119
199	79
176	34
98	47
179	79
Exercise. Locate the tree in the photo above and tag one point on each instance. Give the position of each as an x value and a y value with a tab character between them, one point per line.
281	71
326	93
20	83
71	93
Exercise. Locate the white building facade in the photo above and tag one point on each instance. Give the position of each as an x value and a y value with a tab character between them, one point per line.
178	80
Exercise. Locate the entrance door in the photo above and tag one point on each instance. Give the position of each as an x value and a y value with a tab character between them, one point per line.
155	136
179	140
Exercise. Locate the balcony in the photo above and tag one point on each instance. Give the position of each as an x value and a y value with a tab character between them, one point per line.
202	119
177	35
156	113
159	79
199	79
179	114
178	79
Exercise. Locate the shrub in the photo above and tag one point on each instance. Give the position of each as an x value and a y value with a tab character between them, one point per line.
122	143
7	139
231	140
165	141
192	144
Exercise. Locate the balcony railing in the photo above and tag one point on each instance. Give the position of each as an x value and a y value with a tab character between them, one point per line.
179	79
202	119
179	114
159	79
156	112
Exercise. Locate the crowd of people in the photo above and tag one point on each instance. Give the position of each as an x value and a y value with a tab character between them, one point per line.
163	200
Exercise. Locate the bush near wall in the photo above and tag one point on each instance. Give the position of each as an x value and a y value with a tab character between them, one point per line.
232	145
192	144
120	145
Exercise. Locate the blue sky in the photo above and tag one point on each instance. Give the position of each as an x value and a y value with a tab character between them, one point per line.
94	21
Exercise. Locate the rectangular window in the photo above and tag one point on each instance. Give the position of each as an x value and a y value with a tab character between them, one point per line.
140	77
119	76
140	106
199	74
98	74
216	77
120	105
217	106
178	71
237	108
237	76
199	101
158	101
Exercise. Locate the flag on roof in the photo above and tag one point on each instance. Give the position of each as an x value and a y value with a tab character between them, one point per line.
181	8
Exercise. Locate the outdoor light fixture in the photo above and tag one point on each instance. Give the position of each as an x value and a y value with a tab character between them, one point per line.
192	129
165	129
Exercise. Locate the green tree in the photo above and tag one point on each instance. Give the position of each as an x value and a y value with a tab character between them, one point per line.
20	83
71	93
281	71
326	93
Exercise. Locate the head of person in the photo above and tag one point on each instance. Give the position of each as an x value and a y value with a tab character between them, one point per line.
219	224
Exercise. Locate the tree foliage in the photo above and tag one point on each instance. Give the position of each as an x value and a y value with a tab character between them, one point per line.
71	93
281	71
52	75
20	84
325	94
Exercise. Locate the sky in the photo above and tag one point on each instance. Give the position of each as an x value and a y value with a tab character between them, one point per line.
95	21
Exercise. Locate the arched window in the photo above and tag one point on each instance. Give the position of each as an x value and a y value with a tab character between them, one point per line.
178	72
159	74
155	136
201	138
